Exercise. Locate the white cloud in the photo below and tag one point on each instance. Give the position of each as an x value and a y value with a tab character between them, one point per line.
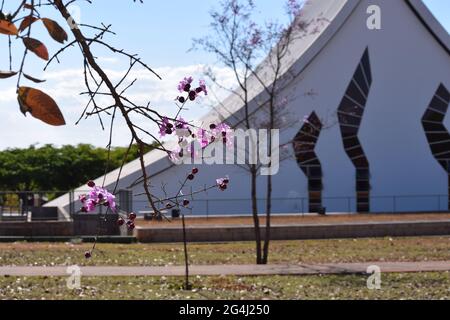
65	87
7	95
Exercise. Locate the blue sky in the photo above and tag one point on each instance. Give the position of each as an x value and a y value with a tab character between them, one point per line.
160	32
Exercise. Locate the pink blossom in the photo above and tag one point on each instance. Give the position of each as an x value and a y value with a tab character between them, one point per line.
193	152
97	196
181	124
202	85
83	198
174	155
111	200
223	128
163	128
203	138
222	183
224	133
293	7
184	84
90	205
256	38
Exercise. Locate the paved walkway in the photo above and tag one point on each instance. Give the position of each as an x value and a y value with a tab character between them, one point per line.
239	270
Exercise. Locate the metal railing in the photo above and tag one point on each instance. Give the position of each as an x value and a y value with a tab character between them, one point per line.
300	205
20	204
124	201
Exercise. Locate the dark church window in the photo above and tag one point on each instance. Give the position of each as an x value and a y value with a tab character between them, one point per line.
440	147
315	172
362	174
437	135
351	112
438	104
304	147
432	115
363	186
315	184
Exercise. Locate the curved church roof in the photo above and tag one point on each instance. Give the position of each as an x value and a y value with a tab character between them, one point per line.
431	23
302	53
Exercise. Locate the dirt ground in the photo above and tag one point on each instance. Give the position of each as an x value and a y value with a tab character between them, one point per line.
297	219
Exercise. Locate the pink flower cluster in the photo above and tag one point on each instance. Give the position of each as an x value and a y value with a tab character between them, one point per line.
222	183
168	128
187	134
190	143
97	196
215	133
256	35
129	223
185	85
294	7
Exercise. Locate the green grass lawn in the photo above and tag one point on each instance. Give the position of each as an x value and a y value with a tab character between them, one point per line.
393	286
294	252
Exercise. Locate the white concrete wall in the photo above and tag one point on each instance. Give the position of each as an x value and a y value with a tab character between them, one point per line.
407	67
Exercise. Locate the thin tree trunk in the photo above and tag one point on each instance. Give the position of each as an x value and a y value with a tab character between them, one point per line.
187	285
268	220
253	173
269	180
254	193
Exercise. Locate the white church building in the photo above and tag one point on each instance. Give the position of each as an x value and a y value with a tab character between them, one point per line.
383	85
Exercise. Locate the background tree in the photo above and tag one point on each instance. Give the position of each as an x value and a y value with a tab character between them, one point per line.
107	98
256	55
100	86
228	42
49	168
